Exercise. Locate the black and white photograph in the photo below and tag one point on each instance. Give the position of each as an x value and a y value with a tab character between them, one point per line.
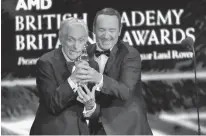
103	67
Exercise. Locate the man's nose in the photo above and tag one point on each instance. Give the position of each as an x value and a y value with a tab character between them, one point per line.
77	45
106	35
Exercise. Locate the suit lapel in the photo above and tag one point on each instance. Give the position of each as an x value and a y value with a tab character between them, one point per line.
60	64
111	58
90	50
94	64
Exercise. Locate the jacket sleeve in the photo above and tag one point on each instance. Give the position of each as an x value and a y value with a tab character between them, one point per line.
55	97
96	113
130	76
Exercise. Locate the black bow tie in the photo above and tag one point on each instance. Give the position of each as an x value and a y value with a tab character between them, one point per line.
70	66
98	53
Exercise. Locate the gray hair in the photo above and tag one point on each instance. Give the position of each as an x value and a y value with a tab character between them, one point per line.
73	21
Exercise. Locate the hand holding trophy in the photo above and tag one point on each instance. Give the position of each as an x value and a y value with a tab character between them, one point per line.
85	96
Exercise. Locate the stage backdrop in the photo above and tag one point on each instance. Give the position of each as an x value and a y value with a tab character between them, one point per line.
155	28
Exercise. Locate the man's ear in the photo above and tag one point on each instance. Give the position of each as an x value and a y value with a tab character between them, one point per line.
93	30
120	29
60	37
59	34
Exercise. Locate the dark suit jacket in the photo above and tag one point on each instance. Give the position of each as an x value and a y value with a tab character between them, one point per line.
59	112
121	102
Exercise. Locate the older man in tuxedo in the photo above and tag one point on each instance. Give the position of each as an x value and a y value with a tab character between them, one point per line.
122	108
61	110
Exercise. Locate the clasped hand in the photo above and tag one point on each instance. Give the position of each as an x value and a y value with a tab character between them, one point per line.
84	73
87	97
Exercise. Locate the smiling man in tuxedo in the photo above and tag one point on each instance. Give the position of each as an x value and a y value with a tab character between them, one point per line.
122	107
58	75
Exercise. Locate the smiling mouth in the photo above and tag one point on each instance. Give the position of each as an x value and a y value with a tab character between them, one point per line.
106	43
77	51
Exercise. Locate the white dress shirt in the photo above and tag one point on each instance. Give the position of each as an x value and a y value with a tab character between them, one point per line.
101	60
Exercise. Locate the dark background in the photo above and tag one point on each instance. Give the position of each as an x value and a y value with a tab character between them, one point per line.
172	96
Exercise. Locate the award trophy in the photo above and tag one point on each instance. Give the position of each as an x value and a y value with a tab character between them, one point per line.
83	57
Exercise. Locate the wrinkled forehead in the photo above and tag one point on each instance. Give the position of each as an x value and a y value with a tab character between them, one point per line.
69	23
